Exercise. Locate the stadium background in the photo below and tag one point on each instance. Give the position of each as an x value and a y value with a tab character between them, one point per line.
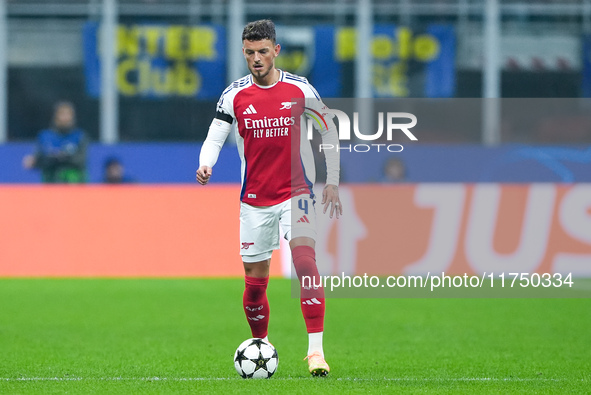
137	288
169	62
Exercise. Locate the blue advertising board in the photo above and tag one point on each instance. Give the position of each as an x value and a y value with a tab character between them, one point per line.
151	163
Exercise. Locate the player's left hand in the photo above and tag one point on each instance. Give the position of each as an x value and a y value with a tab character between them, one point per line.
330	197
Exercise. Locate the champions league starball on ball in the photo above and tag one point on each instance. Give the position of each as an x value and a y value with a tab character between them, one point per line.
255	359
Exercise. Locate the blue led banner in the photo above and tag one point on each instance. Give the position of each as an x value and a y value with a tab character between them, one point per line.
160	61
406	63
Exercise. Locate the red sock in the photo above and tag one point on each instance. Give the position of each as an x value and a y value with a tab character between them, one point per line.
256	305
304	261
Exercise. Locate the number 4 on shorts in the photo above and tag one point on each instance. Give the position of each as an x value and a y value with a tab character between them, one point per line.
303	205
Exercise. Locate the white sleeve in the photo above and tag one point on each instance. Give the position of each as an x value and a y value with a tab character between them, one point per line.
210	150
329	134
219	129
333	159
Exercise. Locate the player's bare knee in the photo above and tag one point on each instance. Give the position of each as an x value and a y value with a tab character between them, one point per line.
257	269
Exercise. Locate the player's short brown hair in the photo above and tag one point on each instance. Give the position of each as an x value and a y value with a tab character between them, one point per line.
263	29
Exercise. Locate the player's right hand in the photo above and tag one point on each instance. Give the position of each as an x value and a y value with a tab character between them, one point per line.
203	174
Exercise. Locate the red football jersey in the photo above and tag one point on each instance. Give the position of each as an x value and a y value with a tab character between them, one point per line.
277	161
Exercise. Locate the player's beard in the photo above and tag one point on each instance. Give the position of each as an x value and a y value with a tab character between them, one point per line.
261	73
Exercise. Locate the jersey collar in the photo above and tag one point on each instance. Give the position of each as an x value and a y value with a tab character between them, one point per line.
268	86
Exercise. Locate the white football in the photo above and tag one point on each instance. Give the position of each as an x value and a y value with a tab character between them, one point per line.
255	359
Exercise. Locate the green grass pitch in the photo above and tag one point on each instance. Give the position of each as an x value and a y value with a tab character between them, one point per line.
179	335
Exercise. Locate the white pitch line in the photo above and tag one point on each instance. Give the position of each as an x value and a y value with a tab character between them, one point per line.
451	379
